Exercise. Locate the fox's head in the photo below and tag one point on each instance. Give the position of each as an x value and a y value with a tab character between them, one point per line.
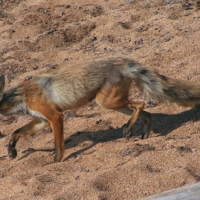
2	86
11	100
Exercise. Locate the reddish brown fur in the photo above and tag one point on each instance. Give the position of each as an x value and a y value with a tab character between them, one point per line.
106	81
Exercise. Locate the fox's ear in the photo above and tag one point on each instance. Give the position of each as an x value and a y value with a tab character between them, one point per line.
2	86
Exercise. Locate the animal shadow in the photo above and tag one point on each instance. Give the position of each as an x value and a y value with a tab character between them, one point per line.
162	124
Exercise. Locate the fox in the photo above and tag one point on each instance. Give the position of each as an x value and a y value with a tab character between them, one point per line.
106	81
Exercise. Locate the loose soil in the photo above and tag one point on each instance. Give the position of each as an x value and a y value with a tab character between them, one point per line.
99	164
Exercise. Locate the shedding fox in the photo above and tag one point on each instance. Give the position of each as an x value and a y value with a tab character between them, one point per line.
107	81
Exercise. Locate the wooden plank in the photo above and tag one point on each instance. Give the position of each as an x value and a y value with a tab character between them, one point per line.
188	192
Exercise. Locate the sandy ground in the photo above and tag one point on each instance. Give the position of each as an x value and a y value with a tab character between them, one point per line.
44	35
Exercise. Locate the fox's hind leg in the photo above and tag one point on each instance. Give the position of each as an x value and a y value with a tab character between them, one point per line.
144	116
35	125
116	97
137	107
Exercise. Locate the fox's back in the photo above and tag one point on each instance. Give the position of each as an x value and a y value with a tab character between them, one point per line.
72	86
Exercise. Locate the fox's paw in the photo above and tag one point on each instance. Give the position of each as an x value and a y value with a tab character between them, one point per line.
58	156
12	152
145	135
126	132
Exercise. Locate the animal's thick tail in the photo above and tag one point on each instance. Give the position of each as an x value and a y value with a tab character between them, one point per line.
162	88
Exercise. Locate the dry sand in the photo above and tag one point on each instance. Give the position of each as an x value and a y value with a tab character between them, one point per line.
44	35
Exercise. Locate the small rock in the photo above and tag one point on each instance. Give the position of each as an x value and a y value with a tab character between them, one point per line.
98	121
193	150
24	183
28	78
127	152
94	38
61	14
80	170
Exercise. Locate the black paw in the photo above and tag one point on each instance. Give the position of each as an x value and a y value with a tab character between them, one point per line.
126	132
145	134
12	152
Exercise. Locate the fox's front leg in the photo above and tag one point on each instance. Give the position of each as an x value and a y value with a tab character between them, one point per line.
55	118
35	125
56	123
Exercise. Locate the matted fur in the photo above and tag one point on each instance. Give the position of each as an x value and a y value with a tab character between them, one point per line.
107	81
89	78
